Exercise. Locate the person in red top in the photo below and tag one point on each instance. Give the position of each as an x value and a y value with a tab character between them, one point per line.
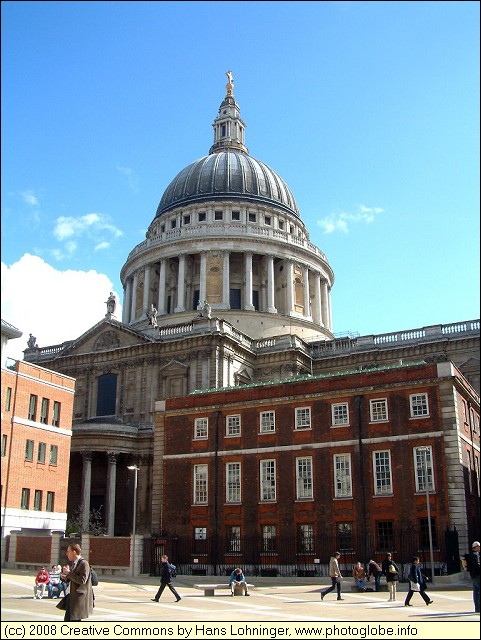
41	581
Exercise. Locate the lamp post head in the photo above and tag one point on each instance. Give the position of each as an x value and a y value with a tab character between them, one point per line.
132	467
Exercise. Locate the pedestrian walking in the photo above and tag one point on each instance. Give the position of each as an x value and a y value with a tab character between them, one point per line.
391	571
335	575
79	601
166	570
417	583
472	565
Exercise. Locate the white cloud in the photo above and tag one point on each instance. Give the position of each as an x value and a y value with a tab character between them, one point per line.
102	245
53	305
342	221
30	198
93	226
130	176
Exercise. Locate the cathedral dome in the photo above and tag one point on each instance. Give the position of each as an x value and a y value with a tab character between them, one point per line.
228	173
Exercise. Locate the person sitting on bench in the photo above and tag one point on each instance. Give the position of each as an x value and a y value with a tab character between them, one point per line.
237	580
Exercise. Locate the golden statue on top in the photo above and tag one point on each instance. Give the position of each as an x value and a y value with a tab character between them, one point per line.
230	83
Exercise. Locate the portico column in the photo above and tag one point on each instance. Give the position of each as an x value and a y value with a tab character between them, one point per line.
181	285
203	276
226	280
307	301
127	301
329	326
270	284
86	486
290	286
111	482
324	303
145	301
248	306
133	306
161	300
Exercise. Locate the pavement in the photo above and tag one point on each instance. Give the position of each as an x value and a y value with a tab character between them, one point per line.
272	600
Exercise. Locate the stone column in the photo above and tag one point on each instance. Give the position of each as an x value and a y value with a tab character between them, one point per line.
316	307
307	301
248	306
226	280
324	303
290	286
161	301
181	285
127	302
145	301
133	306
270	284
86	486
329	316
203	277
111	484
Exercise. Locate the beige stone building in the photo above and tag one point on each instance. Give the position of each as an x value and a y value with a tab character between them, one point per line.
226	289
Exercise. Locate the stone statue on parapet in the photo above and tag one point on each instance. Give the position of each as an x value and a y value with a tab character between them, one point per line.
111	304
32	342
205	310
152	316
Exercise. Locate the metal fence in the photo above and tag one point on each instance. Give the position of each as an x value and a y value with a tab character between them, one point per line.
216	555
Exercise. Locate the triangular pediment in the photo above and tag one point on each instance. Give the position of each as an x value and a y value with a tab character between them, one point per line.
106	335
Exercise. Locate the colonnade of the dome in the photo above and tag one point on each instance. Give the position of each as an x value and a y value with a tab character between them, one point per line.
228	280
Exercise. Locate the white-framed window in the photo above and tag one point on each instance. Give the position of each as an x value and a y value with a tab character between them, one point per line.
37	500
44	411
304	478
268	480
235	216
418	404
233	536
303	418
41	452
269	537
53	454
32	407
233	482
201	428
252	217
56	414
423	465
50	501
378	409
25	499
218	215
382	472
200	483
200	533
339	414
202	216
342	475
306	538
267	421
29	450
233	425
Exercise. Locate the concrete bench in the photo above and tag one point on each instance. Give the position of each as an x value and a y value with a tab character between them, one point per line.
382	587
209	589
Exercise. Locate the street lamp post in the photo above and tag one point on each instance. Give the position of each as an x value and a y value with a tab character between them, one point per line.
425	450
134	515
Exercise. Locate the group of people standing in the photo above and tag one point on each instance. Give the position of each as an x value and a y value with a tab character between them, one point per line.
388	568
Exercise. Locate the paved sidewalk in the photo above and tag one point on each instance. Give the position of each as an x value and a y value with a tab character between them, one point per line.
273	599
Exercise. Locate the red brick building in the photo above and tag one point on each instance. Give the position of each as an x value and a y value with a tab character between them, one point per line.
37	408
281	474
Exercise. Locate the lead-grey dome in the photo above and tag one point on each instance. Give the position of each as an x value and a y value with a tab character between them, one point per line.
227	174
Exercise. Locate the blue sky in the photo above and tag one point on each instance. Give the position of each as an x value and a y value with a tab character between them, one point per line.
368	110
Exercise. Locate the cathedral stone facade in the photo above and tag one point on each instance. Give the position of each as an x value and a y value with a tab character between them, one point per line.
226	290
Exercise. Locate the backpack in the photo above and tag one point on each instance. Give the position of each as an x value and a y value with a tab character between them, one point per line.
173	570
94	577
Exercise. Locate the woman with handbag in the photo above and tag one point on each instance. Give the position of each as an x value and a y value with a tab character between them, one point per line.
417	582
391	571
